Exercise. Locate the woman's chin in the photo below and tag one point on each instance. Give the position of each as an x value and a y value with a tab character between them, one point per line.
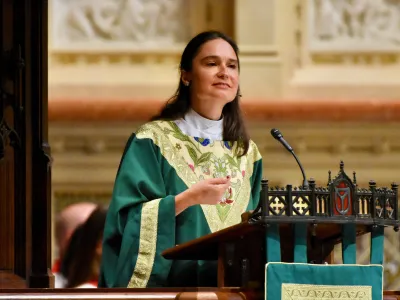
223	97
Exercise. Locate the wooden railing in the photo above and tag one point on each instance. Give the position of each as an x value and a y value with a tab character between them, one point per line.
132	294
143	294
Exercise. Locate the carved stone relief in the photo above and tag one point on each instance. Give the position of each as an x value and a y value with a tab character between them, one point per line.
354	25
141	23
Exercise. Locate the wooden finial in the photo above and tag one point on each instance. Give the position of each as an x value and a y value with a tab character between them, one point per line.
372	184
329	177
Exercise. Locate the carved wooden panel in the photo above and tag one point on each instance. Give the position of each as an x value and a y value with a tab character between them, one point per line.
6	193
9	137
24	152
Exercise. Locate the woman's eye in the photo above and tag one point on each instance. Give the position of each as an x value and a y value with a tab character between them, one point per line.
232	66
211	63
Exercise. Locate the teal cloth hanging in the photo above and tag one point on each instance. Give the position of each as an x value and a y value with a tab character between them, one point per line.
300	243
273	243
349	246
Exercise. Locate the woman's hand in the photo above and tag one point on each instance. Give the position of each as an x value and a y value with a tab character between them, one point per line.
209	191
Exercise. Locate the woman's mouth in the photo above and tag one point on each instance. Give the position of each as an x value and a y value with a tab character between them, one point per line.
221	85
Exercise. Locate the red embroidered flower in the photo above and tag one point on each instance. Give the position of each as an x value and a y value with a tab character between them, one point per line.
243	173
192	167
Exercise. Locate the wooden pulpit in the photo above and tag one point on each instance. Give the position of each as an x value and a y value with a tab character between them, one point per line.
240	250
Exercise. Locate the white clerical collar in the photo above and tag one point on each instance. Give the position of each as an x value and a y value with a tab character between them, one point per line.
195	125
201	123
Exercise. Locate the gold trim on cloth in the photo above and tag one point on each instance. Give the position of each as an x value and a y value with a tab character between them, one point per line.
198	159
322	292
147	245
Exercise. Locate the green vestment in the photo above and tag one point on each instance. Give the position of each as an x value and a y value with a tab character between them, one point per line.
159	162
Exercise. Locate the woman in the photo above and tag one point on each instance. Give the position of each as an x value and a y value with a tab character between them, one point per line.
81	263
191	171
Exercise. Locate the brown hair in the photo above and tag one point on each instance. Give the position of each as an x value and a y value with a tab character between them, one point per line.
81	263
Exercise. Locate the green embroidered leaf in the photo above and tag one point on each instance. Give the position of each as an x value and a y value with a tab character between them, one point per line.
180	137
231	161
177	132
167	130
174	126
223	211
205	157
192	154
238	161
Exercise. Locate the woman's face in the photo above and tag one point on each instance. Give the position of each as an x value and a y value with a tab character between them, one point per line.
214	78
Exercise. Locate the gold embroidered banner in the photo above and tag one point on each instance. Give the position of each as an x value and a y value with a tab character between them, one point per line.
325	292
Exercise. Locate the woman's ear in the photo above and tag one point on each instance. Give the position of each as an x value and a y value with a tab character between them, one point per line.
186	77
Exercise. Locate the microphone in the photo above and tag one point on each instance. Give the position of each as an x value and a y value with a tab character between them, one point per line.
278	135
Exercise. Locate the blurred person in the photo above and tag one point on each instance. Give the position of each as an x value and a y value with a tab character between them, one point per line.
81	261
191	171
66	222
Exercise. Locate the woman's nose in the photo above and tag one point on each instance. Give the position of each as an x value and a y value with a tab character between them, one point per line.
222	74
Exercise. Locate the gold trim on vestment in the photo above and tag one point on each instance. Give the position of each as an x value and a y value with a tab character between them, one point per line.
147	245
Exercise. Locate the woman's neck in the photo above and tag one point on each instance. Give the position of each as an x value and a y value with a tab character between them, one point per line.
211	113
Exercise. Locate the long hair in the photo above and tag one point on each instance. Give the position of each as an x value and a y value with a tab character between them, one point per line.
178	105
80	263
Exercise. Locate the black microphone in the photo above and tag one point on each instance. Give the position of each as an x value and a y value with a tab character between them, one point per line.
278	135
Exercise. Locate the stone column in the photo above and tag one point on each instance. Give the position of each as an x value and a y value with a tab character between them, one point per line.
256	34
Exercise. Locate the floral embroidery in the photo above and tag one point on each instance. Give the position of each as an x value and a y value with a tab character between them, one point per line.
203	142
228	145
227	198
199	159
220	168
216	164
206	169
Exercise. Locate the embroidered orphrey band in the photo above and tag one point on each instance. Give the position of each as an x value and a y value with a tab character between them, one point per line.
147	245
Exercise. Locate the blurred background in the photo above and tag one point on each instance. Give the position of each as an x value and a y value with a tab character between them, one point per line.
325	72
